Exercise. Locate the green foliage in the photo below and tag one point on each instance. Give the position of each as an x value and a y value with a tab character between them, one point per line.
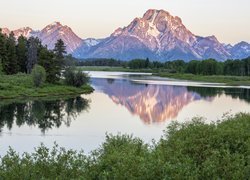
193	150
22	50
3	50
32	54
75	78
120	157
200	151
60	49
47	60
57	63
38	75
207	67
102	62
138	64
229	80
22	55
42	164
10	65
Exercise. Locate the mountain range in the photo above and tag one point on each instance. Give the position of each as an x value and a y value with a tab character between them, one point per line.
157	35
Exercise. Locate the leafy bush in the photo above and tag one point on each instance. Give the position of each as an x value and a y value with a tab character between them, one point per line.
75	78
38	75
192	150
120	157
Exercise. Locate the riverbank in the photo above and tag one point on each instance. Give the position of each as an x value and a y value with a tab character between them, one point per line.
193	150
21	86
228	80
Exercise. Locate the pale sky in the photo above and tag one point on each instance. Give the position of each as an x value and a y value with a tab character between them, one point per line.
228	20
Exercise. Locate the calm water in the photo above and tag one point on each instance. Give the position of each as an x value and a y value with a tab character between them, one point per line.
129	103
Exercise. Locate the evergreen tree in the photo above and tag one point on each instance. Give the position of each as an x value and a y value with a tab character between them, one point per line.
22	51
60	49
3	50
58	64
47	60
32	54
10	65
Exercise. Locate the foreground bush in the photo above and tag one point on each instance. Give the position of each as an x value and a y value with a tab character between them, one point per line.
192	150
38	75
75	78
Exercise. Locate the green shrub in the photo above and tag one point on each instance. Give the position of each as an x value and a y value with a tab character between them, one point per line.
119	157
193	150
75	78
38	75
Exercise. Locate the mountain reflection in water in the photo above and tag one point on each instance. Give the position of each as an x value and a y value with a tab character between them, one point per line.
45	114
159	103
152	103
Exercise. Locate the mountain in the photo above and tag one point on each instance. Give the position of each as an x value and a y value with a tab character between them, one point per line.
240	50
26	32
85	47
51	33
157	35
160	36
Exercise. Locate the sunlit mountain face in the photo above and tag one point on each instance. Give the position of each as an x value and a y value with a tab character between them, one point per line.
152	103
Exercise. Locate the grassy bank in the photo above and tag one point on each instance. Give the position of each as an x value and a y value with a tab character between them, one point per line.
21	85
192	150
229	80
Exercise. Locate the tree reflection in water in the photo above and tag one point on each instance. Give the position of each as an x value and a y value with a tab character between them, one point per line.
46	114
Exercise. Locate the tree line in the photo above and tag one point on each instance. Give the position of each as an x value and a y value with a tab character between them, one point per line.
203	67
101	62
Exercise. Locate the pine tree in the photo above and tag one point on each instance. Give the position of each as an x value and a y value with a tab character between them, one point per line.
10	65
32	54
60	51
47	60
22	52
3	50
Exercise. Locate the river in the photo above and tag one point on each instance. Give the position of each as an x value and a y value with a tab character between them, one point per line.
126	103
